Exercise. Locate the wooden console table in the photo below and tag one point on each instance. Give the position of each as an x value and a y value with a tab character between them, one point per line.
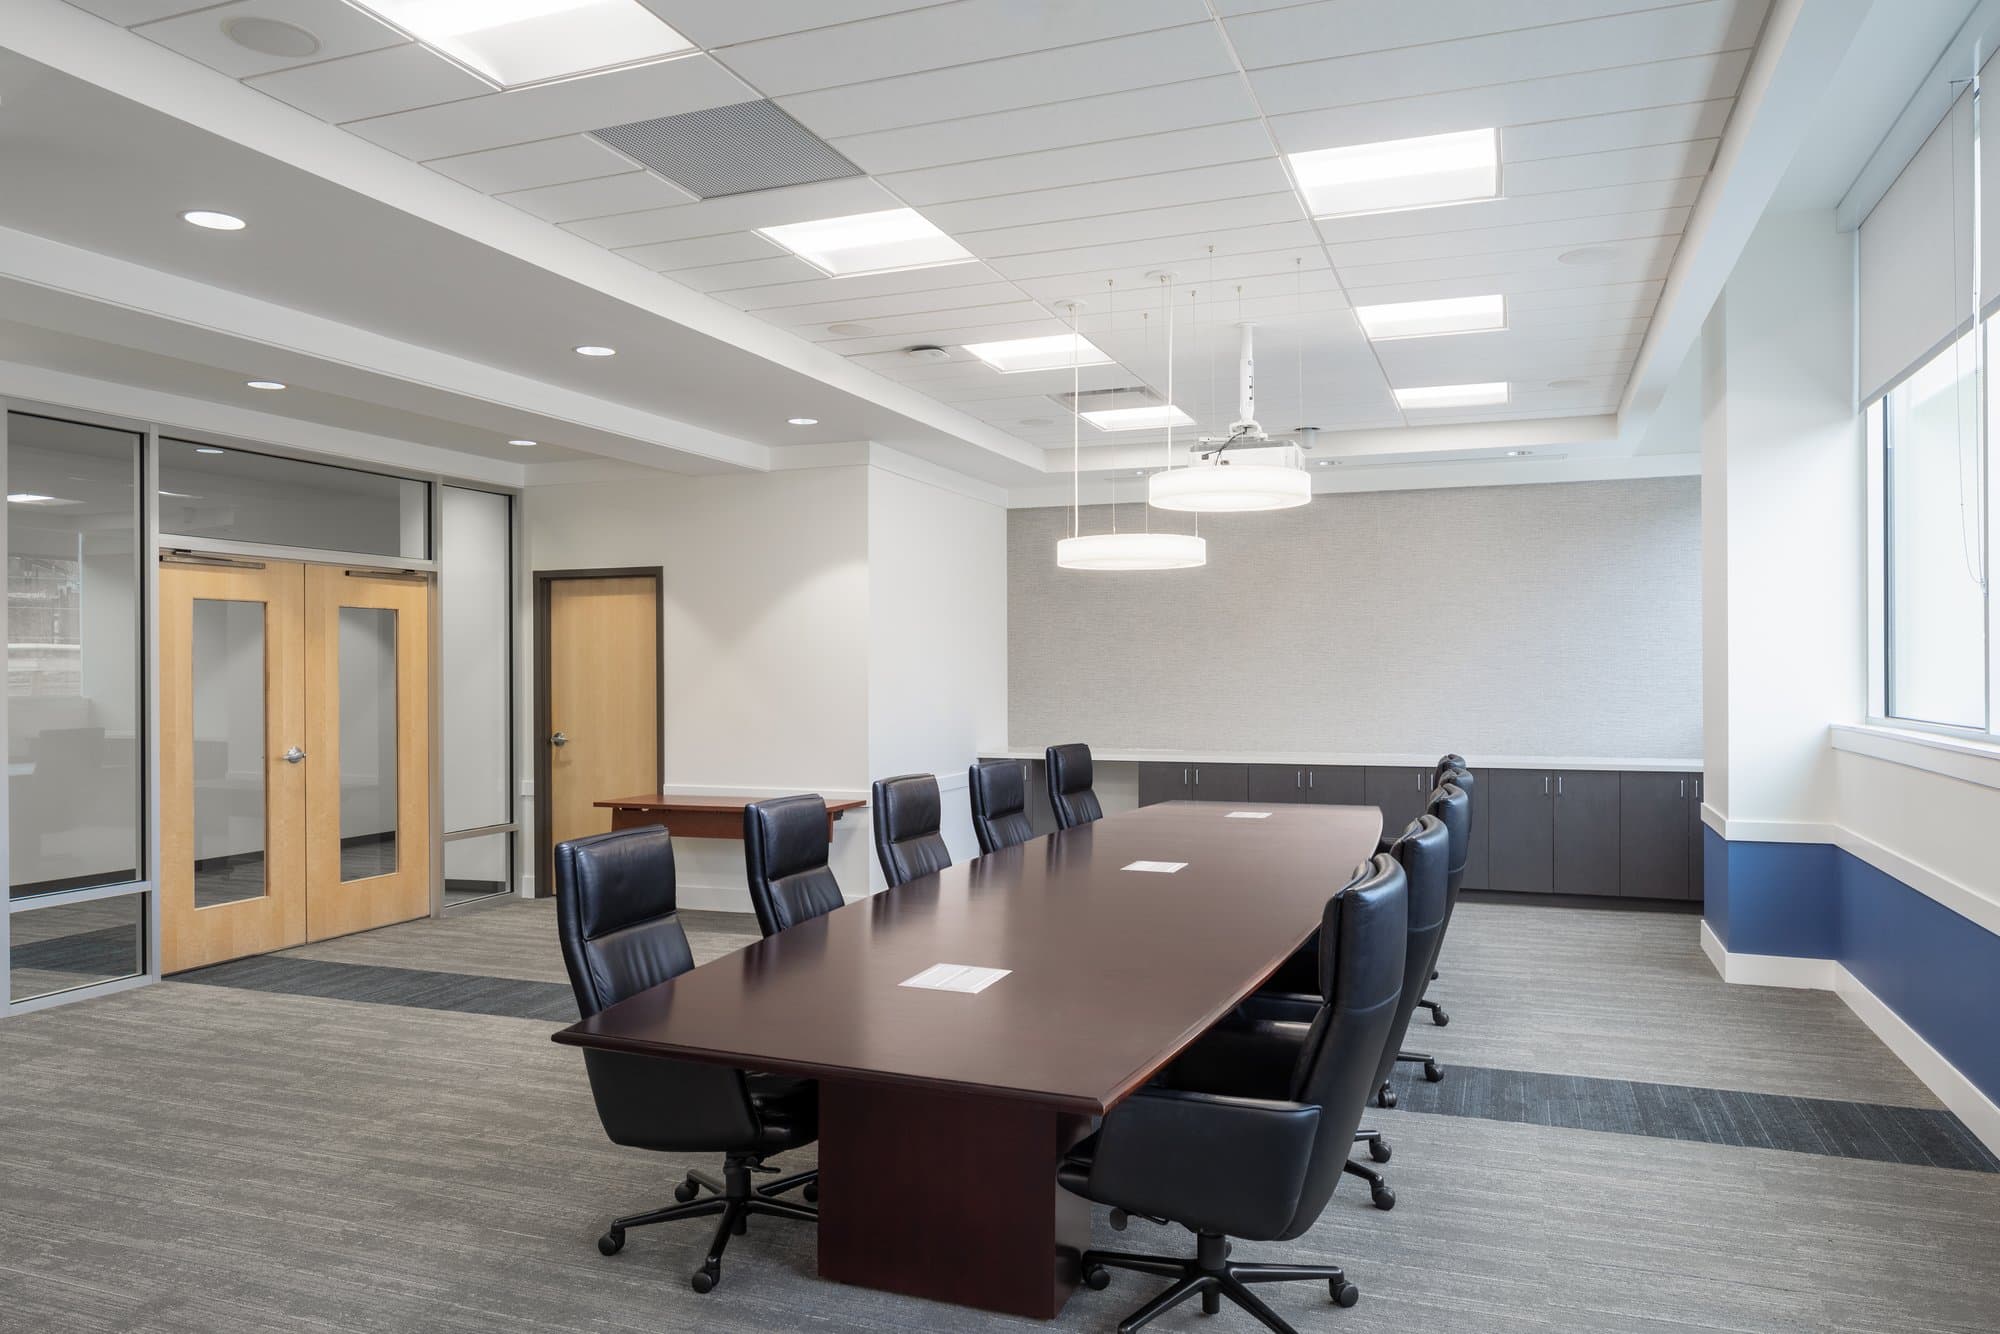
700	816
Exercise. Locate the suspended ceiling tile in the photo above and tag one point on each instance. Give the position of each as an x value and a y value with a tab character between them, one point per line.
1594	92
1562	232
1619	129
859	287
936	36
379	83
567	106
1291	34
602	196
740	213
1170	251
558	161
340	30
699	251
983	174
1177	220
837	309
1248	185
1143	61
1643	197
1629	166
713	25
126	13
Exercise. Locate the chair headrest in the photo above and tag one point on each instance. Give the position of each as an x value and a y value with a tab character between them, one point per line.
1071	767
788	834
1002	785
1424	852
1361	913
908	806
617	880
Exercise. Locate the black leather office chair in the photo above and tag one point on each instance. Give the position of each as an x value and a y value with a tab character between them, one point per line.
999	791
615	915
1070	779
786	847
907	819
1246	1134
1461	778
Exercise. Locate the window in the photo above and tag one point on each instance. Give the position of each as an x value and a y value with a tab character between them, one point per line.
1934	563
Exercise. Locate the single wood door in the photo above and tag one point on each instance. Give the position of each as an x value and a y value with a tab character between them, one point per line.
603	693
232	772
367	683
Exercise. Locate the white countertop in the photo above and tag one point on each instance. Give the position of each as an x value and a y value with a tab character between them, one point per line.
1652	765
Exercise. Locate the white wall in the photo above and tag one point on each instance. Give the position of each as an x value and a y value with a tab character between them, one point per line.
1784	485
937	648
764	637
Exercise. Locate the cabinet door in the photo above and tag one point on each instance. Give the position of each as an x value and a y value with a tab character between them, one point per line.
1478	855
1521	854
1697	840
1399	791
1219	782
1336	785
1277	782
1586	832
1653	835
1162	781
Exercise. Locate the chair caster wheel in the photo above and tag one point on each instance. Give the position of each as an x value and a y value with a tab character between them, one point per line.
811	1192
1385	1200
1385	1096
1379	1150
1119	1221
1432	1072
1344	1293
686	1191
611	1242
1440	1018
1097	1278
705	1279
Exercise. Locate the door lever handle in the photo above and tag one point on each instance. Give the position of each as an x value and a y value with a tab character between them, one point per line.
559	739
294	755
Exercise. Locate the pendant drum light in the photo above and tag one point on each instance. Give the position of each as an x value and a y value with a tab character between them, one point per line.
1114	550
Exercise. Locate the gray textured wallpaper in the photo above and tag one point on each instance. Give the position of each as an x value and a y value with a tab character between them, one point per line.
1540	620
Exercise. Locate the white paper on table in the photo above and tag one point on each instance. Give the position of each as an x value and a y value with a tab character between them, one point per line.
962	977
1248	815
1163	868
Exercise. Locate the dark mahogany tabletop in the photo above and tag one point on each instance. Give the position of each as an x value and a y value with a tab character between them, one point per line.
1113	971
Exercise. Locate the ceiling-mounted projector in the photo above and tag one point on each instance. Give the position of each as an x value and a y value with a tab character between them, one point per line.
1244	471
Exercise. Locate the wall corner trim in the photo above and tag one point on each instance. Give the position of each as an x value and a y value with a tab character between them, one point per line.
1979	1112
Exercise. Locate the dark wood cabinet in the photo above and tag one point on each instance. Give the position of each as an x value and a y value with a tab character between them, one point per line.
1478	853
1401	792
1586	832
1521	819
1654	836
1160	781
1697	841
1277	783
1336	785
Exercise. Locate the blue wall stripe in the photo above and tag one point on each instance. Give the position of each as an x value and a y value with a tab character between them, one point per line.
1937	970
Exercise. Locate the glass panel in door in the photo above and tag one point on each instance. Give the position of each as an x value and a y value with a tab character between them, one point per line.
368	753
229	789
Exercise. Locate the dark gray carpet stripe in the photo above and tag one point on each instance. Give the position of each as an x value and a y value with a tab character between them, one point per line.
374	984
1913	1136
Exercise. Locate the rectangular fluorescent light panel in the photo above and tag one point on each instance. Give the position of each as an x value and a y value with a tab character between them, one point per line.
1425	319
1453	395
885	242
1399	174
1053	353
1156	417
514	42
30	498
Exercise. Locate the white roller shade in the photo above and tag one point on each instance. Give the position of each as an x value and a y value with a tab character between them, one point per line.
1916	256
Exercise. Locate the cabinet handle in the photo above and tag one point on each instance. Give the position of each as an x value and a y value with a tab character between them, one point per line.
1559	785
1545	785
1184	774
1298	778
1684	787
1697	789
1197	778
1309	778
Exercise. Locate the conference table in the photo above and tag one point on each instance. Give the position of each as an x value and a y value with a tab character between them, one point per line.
944	1114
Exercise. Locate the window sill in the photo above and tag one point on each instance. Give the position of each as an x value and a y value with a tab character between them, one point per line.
1962	758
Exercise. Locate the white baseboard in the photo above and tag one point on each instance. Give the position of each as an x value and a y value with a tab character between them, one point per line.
1767	970
1979	1112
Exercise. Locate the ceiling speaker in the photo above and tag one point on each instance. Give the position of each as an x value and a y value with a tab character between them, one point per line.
270	37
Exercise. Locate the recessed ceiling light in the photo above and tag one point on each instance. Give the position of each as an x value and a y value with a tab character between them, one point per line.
1424	319
264	384
1325	462
885	242
215	222
30	498
209	449
1517	453
1399	174
1453	395
513	42
593	350
802	421
1050	353
1137	419
524	444
1569	384
849	329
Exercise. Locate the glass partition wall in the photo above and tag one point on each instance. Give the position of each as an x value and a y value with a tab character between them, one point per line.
94	505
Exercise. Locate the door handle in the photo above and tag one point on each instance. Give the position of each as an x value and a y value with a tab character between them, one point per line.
294	755
559	739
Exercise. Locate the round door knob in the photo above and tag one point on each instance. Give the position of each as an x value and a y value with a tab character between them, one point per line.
294	755
559	739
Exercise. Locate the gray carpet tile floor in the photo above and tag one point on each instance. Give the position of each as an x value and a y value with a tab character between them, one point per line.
222	1159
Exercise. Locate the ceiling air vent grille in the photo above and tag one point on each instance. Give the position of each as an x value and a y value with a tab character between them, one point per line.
730	150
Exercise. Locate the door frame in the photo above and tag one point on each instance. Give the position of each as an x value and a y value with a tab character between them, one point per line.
545	580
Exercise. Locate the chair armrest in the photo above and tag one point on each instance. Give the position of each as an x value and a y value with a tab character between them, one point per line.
1233	1165
1241	1057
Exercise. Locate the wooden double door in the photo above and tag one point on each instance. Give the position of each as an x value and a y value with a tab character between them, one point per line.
294	754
